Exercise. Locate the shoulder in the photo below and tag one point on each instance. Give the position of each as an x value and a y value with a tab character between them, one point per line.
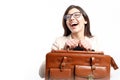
94	42
60	42
94	38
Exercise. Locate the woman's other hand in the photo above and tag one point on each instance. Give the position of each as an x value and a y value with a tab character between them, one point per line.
85	44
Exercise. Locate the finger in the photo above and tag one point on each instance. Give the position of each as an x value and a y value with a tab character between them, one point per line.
74	43
69	44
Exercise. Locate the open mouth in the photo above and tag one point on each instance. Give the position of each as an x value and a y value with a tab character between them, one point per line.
74	24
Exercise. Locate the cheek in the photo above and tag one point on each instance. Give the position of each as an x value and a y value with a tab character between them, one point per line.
67	23
81	22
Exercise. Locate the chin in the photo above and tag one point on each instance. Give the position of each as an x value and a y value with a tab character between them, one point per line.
74	31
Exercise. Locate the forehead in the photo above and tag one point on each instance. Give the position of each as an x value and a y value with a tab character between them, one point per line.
73	10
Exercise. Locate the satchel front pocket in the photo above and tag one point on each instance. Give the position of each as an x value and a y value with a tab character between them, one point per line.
84	72
58	74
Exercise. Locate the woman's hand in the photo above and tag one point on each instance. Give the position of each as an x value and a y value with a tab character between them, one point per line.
85	44
70	44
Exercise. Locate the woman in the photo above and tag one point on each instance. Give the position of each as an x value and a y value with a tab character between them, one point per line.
77	33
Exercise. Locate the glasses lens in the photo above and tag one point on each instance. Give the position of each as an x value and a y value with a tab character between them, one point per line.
67	17
77	15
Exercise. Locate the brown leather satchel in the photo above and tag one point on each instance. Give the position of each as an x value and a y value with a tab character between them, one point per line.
78	65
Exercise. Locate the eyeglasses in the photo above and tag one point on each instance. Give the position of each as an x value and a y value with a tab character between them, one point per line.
75	15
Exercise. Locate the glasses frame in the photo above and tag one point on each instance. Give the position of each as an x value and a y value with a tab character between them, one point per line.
68	16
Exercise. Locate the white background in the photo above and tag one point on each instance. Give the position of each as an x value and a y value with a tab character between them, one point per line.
29	27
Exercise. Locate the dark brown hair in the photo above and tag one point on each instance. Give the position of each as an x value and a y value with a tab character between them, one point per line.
87	26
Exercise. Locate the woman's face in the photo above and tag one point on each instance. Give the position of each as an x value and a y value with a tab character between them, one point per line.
75	21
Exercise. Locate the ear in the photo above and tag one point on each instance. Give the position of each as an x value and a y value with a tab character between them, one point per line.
85	22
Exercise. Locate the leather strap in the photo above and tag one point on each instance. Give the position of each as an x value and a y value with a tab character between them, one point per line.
113	64
92	63
63	63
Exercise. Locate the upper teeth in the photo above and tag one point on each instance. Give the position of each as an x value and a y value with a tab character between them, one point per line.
74	23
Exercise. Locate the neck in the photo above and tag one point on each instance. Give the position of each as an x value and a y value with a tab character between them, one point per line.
79	36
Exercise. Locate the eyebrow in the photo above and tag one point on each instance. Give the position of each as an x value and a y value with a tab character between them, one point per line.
74	12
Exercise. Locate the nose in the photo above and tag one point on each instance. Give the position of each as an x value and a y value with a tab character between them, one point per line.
72	17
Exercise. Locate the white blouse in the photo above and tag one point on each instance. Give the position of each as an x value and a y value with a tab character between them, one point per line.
60	42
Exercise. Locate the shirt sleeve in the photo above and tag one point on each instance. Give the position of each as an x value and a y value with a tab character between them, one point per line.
55	45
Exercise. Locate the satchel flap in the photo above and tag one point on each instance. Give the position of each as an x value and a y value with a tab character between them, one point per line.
85	71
